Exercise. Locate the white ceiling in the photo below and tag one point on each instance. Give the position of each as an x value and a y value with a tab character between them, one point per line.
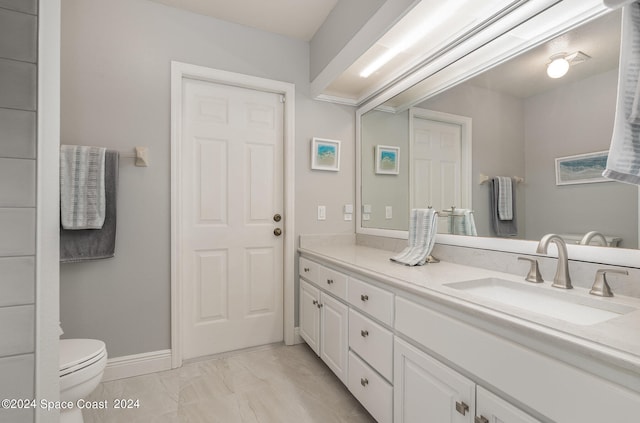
294	18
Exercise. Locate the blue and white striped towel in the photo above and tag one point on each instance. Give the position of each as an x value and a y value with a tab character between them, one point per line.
423	226
505	199
82	192
623	163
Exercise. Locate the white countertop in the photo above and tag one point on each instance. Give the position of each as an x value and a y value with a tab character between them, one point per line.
616	342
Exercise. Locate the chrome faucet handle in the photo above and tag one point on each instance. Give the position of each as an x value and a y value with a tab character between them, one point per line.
534	275
600	286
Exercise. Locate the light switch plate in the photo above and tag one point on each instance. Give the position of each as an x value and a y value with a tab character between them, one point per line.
322	213
366	216
348	216
348	208
366	208
388	212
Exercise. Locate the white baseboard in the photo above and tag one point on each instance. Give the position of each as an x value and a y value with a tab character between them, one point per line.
137	364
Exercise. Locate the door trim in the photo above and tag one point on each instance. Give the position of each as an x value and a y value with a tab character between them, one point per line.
179	71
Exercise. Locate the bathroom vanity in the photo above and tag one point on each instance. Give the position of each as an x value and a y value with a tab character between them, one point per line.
444	342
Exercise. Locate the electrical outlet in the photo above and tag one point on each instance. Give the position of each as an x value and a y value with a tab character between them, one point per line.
366	216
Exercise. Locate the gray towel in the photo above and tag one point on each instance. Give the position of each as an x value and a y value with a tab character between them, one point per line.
502	228
94	244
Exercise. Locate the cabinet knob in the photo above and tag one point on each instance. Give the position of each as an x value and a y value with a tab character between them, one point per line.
315	302
277	218
462	408
277	231
329	281
481	419
320	305
364	297
364	333
364	381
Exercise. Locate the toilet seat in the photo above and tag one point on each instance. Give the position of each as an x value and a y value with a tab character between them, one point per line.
77	354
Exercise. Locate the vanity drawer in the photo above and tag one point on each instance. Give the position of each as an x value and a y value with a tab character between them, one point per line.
373	392
332	281
372	342
308	269
372	300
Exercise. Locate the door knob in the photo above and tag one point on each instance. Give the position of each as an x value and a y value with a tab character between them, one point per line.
277	217
277	231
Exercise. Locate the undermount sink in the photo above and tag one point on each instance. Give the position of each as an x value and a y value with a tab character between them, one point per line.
563	305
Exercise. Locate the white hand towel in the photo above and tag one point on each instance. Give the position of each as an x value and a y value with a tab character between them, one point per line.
623	163
423	226
505	199
463	223
82	193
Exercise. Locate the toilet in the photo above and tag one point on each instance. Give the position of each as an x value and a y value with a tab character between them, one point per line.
82	363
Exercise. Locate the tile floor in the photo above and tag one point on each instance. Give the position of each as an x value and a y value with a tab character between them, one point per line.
272	384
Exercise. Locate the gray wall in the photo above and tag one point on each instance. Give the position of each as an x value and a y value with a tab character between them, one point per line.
379	191
18	98
115	93
497	143
575	119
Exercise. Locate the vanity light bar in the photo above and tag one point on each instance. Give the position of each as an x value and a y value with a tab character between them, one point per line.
431	22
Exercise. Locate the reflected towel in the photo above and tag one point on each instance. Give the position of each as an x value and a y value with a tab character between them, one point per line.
623	163
462	223
502	228
505	198
82	198
94	244
422	235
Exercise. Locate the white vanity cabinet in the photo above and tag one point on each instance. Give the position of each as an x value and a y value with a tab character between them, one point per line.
428	391
324	326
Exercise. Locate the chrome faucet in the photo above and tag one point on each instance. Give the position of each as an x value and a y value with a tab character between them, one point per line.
562	278
586	239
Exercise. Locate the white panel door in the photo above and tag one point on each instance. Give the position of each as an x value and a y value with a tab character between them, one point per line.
428	391
231	186
436	165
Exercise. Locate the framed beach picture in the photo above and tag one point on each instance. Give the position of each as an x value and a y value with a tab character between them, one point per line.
581	168
387	160
325	154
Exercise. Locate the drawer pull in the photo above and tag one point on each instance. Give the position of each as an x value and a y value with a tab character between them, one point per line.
481	419
320	305
364	333
315	302
364	297
462	408
329	281
306	270
364	381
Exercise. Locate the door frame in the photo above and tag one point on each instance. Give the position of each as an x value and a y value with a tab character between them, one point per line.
180	71
465	149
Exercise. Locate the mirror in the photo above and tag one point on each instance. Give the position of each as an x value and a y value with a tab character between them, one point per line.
518	121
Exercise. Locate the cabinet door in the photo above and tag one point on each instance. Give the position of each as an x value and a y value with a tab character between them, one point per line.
493	409
310	315
334	327
428	391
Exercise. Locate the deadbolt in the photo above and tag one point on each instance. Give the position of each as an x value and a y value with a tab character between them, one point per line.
277	231
277	217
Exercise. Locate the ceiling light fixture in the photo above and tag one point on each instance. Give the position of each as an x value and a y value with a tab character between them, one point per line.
560	63
434	19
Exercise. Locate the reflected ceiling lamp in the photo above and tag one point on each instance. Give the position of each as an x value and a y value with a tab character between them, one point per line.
560	63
